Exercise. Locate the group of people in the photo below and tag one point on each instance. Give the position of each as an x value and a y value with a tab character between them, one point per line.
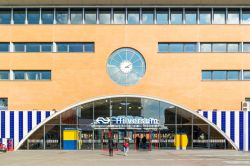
125	146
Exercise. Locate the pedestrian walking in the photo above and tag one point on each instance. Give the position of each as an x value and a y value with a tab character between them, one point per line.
126	147
111	146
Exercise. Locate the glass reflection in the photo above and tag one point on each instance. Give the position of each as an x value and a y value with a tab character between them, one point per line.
205	16
233	16
33	16
133	16
162	16
62	16
191	16
19	16
245	16
90	16
119	16
147	16
76	16
5	16
176	16
104	16
219	16
47	16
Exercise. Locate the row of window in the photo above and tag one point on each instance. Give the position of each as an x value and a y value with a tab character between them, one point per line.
25	75
125	16
226	75
203	47
47	47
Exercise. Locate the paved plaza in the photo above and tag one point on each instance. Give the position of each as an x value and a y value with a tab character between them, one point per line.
135	158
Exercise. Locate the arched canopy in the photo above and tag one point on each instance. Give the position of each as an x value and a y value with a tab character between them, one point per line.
173	119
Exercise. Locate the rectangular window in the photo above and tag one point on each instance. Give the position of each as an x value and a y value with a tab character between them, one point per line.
233	16
148	16
19	47
76	47
33	75
90	16
219	47
33	16
191	16
176	16
62	47
161	16
233	47
5	16
233	75
3	103
76	16
205	16
4	75
45	75
89	47
133	16
219	75
219	16
245	16
47	16
206	47
33	47
163	47
206	75
119	16
62	16
190	47
104	16
19	16
19	75
246	75
246	47
175	47
4	47
46	47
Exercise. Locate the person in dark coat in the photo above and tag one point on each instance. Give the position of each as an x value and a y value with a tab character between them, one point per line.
111	146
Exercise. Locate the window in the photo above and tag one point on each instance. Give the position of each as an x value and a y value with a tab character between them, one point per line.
3	103
219	47
76	16
175	47
104	16
62	47
33	16
5	16
190	47
19	47
89	47
246	75
206	47
163	47
33	47
176	16
233	16
205	16
133	16
38	75
4	47
162	16
233	75
206	75
90	16
246	47
233	47
19	16
147	16
19	75
219	75
47	16
191	16
245	16
46	47
62	16
4	75
76	47
119	16
219	16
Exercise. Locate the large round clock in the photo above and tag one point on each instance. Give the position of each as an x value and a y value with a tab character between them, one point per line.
126	66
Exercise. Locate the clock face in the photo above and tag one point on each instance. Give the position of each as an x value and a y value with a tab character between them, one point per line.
126	66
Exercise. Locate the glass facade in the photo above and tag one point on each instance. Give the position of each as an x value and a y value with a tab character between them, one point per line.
163	15
173	120
25	75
